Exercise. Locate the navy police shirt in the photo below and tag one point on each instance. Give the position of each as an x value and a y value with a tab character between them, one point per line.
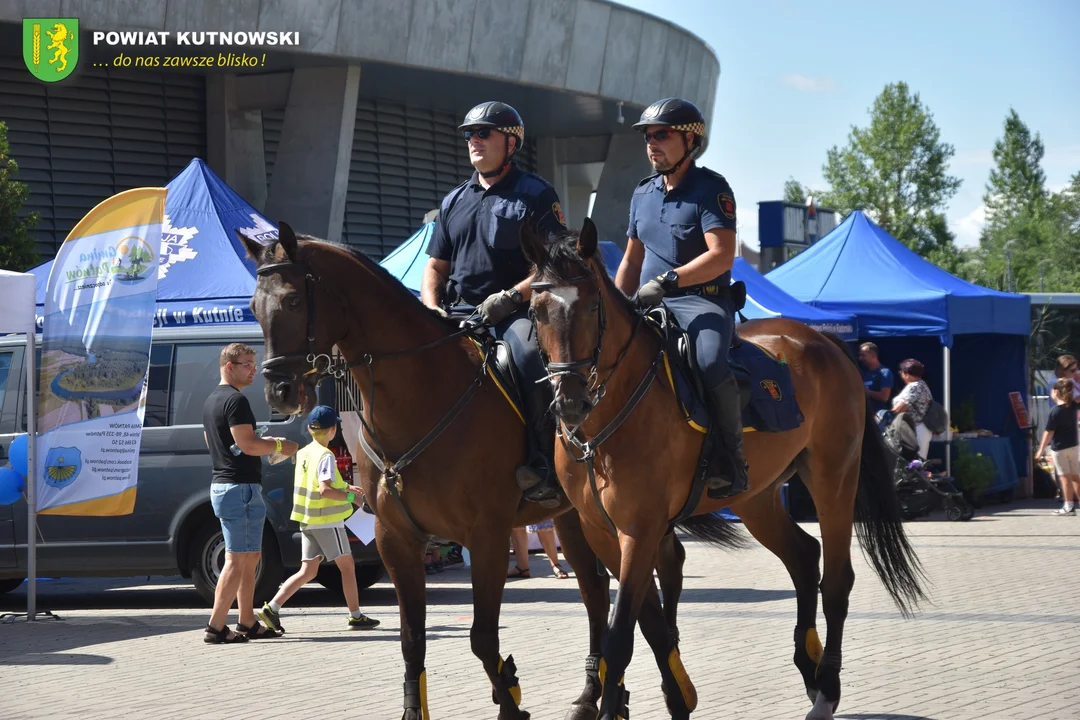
478	231
672	225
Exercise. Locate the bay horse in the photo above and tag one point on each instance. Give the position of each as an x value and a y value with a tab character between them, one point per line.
448	444
644	457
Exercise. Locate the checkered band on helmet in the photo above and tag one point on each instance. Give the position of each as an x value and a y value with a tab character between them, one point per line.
696	128
517	131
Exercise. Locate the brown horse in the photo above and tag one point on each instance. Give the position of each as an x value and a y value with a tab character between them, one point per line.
448	444
645	456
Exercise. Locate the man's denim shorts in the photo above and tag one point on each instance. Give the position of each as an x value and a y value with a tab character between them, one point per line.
242	511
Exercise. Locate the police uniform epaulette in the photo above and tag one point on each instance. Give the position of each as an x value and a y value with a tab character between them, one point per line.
713	173
538	178
648	179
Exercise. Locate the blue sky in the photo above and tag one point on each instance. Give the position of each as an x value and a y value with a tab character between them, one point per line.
795	76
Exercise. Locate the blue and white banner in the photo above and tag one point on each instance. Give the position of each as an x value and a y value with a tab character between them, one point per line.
99	313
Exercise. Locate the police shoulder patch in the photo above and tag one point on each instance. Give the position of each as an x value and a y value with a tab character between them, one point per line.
727	205
556	210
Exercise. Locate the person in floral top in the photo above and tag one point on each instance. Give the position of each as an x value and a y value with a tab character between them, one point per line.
914	400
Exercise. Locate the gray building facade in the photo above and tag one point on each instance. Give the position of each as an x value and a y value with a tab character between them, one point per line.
352	134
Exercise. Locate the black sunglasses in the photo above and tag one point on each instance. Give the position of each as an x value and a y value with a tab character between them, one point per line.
482	133
659	135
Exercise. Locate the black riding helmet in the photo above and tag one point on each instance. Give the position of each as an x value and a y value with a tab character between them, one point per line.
497	116
678	114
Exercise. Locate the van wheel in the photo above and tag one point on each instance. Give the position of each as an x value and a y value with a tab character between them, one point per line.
366	576
9	584
208	557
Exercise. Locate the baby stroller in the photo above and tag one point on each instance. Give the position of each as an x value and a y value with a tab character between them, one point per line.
919	490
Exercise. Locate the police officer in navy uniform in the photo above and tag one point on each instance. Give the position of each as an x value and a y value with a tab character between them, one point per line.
476	247
680	251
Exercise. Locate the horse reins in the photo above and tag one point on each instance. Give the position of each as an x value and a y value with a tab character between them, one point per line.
391	471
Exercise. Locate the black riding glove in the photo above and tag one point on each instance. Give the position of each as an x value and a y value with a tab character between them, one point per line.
499	306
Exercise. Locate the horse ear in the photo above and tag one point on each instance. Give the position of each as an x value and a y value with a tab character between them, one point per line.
254	248
532	244
586	242
287	240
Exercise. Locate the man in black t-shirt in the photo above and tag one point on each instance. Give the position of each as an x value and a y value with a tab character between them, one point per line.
236	492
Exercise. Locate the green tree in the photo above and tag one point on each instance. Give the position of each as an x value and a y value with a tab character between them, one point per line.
1017	182
895	169
795	192
16	245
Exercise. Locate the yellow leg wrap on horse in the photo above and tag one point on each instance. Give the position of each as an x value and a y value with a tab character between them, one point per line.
515	692
689	694
602	672
424	715
813	645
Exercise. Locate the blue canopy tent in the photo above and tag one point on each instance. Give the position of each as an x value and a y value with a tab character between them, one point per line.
910	307
766	300
204	274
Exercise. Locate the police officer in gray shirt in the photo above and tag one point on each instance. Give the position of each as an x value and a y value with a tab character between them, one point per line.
680	249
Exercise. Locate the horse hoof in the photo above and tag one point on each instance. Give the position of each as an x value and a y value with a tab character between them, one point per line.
823	708
515	714
582	712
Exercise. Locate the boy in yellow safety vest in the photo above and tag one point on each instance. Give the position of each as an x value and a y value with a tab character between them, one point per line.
322	501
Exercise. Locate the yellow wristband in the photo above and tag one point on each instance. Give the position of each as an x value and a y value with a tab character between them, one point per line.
277	446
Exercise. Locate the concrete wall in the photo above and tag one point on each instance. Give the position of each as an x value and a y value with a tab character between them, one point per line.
588	46
311	171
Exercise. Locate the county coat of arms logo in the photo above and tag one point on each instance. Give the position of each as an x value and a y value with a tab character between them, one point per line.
50	47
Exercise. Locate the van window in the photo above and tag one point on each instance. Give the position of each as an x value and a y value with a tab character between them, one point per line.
196	374
157	390
7	421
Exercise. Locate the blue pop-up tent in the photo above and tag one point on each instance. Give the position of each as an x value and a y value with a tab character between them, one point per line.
766	300
204	274
912	308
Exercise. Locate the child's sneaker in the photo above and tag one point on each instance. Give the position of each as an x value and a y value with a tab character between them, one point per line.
362	623
1066	510
270	618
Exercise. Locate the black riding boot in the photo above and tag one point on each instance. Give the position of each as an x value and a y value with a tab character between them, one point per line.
537	480
727	464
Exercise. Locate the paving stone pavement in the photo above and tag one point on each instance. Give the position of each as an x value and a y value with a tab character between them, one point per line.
1000	641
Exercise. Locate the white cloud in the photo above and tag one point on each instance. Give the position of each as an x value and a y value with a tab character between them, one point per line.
808	83
968	228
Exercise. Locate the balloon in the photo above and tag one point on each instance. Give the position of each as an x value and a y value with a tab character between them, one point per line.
11	486
17	454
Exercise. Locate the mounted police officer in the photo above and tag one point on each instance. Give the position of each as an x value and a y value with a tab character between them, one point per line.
680	251
476	247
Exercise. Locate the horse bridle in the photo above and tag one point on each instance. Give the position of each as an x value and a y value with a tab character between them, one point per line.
587	369
323	365
575	367
570	436
310	356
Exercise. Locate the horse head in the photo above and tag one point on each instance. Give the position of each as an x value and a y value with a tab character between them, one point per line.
568	307
298	339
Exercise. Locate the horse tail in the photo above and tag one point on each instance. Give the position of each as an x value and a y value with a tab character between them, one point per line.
877	517
715	531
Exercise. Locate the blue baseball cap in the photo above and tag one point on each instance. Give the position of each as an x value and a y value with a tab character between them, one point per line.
322	417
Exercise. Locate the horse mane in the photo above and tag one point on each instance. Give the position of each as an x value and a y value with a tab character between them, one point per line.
561	264
403	294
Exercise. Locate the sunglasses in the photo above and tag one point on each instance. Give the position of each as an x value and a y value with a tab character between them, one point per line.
482	133
659	135
245	364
